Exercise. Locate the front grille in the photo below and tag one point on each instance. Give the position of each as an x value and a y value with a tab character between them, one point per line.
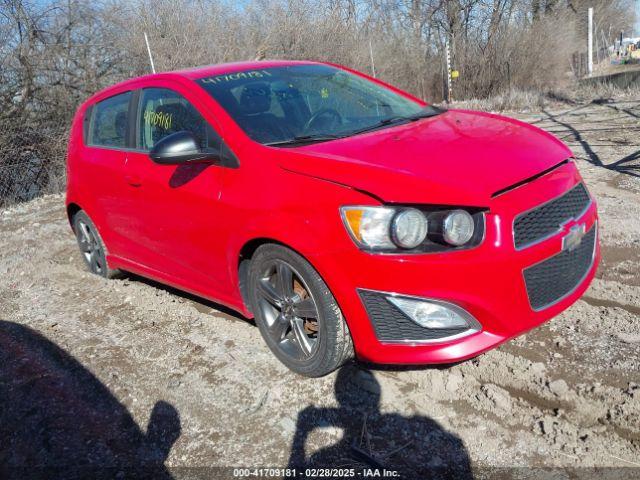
553	279
543	221
391	325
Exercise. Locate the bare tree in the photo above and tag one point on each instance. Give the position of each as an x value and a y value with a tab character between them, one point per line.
56	53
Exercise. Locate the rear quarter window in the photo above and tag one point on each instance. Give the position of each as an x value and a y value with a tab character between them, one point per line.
109	125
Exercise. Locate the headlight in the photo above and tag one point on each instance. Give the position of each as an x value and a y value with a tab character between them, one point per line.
384	228
369	226
412	230
409	228
458	227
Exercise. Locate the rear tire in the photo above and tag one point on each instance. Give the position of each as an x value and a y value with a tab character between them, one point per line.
296	313
94	252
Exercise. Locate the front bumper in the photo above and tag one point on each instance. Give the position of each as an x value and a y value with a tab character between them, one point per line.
487	281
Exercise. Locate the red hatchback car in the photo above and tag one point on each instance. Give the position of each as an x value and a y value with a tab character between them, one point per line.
346	216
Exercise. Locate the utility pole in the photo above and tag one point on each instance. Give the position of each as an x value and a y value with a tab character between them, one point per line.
449	94
621	38
590	61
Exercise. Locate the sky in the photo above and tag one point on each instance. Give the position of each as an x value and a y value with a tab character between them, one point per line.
637	32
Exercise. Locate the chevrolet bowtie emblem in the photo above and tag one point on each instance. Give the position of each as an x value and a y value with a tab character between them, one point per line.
573	239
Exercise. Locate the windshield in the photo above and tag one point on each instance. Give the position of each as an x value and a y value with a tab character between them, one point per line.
306	102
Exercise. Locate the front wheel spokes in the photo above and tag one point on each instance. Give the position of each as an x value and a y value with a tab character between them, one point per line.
269	293
284	280
305	308
279	328
305	344
289	311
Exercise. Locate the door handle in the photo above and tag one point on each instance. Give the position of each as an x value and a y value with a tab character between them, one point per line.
133	180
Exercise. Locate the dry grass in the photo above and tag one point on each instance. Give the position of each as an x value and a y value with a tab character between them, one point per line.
517	100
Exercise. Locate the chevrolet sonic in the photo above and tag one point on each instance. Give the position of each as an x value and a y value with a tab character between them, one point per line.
345	215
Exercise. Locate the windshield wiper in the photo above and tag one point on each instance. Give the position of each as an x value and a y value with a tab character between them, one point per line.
426	112
304	139
382	123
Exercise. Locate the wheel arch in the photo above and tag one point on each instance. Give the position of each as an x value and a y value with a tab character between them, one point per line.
244	260
342	349
72	210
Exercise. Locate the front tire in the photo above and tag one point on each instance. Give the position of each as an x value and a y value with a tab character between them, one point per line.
296	313
94	253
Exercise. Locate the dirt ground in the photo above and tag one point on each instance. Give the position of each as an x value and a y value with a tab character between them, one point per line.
125	372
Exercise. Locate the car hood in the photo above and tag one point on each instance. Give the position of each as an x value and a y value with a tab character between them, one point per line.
456	158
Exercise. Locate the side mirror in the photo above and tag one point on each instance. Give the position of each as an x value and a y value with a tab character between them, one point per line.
181	148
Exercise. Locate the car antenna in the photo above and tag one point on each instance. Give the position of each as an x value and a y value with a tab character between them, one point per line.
146	39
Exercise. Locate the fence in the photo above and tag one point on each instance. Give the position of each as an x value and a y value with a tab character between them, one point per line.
32	162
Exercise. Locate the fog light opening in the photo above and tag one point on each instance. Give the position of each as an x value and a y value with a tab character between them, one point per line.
434	314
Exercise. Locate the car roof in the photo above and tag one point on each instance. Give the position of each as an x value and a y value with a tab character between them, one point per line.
199	72
222	68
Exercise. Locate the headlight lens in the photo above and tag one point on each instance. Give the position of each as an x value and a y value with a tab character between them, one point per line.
409	228
458	227
369	226
396	229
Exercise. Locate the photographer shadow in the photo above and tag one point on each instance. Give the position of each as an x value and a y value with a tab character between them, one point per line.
57	420
414	446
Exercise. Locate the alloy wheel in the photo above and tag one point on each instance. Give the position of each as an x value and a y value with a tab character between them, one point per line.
90	248
289	309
